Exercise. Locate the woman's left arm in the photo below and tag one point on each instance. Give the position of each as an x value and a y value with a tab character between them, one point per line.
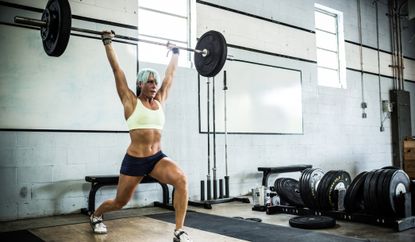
168	76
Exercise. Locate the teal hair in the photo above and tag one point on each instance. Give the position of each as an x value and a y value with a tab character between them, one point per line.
143	75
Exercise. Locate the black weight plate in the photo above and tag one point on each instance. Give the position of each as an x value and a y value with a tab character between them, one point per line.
304	187
322	196
45	32
353	200
214	42
374	208
55	37
323	192
309	182
385	191
382	208
398	185
366	191
288	189
312	222
223	57
314	179
279	189
319	204
341	181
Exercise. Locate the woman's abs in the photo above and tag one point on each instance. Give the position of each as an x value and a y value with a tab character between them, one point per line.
144	142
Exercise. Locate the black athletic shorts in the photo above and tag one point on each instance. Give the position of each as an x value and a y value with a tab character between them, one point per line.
140	166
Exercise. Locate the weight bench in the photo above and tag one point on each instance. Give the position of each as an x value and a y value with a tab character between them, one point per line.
99	181
267	171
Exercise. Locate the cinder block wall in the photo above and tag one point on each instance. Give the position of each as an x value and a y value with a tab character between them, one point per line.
42	173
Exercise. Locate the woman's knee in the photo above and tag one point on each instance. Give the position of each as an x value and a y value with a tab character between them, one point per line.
180	181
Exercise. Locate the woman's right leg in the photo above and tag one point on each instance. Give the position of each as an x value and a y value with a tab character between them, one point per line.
125	189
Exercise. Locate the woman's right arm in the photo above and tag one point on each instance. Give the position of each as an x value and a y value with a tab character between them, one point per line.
124	92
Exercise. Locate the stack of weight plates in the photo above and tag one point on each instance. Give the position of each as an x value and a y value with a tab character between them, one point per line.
332	181
379	192
288	190
353	200
308	184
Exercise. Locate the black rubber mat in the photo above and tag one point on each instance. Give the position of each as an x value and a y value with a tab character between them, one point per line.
19	236
250	230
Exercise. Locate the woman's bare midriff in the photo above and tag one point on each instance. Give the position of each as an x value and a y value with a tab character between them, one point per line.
144	142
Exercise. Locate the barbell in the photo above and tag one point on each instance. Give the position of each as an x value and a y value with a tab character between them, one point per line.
55	29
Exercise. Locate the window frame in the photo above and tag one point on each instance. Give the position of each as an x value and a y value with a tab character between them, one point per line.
341	70
186	57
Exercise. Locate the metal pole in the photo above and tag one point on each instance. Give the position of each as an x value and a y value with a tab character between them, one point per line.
225	88
215	190
208	185
41	23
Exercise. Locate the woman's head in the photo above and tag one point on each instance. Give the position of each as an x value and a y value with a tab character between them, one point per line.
144	75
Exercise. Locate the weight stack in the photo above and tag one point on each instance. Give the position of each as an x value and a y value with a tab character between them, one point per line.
400	124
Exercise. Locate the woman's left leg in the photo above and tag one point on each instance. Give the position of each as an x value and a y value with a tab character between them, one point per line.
168	172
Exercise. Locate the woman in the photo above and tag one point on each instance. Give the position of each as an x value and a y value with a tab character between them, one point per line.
145	119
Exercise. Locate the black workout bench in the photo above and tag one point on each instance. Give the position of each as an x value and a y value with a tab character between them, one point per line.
99	181
267	171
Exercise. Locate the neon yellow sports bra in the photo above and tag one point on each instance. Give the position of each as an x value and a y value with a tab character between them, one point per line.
145	118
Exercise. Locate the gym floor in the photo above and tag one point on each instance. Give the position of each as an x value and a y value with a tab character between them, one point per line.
132	225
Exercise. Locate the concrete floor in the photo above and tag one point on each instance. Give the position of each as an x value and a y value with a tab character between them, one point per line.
131	225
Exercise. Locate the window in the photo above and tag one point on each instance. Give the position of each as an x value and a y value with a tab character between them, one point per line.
331	66
165	21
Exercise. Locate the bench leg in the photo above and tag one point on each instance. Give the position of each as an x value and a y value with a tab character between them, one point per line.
91	198
166	195
265	178
166	198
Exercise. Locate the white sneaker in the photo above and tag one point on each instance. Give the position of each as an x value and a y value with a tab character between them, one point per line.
97	225
181	236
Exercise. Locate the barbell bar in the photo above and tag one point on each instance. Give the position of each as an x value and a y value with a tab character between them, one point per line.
43	24
55	29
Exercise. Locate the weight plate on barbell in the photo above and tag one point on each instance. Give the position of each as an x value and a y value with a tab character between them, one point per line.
211	64
44	31
55	36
